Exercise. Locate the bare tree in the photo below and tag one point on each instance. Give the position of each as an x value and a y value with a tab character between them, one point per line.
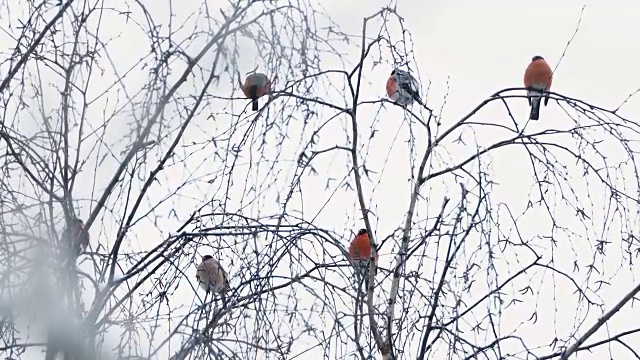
479	247
157	151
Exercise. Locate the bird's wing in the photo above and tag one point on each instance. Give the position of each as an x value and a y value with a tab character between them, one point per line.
404	76
408	83
411	89
215	273
415	84
402	73
220	276
225	278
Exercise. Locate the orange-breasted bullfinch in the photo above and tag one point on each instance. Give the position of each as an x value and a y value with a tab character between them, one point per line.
360	253
78	238
403	88
211	276
537	79
256	86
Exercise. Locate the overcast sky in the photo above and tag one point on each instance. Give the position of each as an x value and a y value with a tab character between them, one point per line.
469	50
466	50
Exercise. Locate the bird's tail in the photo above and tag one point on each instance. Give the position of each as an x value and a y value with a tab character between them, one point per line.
253	94
417	99
362	277
535	108
360	271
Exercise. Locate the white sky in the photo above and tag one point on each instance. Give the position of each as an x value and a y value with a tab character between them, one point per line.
481	47
465	49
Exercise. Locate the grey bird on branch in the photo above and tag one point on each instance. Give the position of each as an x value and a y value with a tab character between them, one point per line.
212	277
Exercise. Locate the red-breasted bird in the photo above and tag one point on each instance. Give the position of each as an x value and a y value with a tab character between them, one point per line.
403	88
537	79
360	252
256	86
78	238
211	276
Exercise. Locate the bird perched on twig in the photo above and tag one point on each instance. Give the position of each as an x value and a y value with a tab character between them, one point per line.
537	79
78	238
256	86
360	253
212	277
402	88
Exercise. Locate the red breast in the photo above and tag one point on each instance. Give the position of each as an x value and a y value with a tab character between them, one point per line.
360	248
538	74
392	88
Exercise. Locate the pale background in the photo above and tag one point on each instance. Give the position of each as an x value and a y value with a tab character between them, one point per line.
465	50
